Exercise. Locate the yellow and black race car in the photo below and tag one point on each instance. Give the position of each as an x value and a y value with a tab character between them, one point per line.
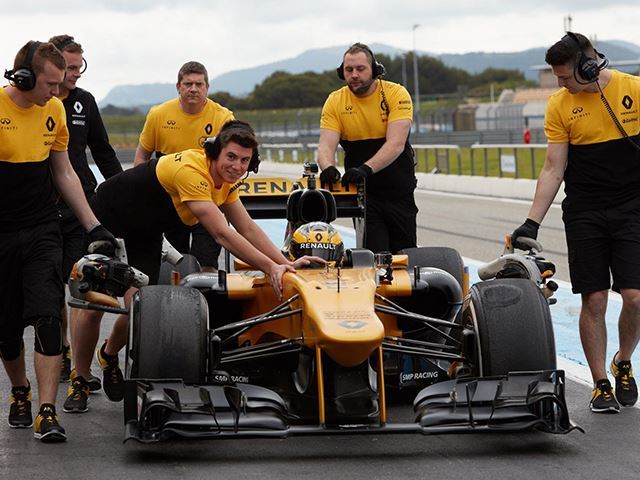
354	341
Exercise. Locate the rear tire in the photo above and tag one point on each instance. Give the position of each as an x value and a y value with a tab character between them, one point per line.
168	334
513	327
444	258
187	266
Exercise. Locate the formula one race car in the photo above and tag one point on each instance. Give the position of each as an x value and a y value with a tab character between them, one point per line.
220	356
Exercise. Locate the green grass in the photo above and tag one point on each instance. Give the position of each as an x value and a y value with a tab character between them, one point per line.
486	162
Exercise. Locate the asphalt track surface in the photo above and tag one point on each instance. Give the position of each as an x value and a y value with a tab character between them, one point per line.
472	225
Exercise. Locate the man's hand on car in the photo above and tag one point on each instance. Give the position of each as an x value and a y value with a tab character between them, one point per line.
528	229
356	175
330	175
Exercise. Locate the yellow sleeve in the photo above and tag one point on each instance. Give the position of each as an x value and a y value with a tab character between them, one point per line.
234	195
191	185
329	117
554	129
148	134
400	106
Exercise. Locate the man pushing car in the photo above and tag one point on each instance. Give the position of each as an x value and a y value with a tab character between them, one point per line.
182	188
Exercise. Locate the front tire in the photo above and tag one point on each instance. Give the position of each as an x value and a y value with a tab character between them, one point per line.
512	324
168	334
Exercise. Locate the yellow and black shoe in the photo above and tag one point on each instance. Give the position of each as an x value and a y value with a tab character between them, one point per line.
65	368
112	379
95	384
77	396
46	428
20	410
602	398
626	388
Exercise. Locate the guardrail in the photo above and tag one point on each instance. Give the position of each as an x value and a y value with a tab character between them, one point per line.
510	158
489	160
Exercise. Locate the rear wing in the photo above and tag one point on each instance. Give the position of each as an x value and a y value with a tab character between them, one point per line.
267	197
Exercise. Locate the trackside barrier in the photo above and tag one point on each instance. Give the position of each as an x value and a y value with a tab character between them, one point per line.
437	158
502	160
513	159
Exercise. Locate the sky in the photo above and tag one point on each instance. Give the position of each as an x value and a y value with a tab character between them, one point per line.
146	41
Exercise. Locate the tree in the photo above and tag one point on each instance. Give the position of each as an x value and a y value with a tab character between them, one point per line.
286	90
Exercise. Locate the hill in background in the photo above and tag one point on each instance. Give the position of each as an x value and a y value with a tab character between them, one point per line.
241	82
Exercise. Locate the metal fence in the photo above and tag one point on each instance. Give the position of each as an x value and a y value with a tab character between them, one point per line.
494	159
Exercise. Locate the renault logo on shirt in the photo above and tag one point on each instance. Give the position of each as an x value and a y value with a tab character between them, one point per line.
627	102
77	107
50	124
208	128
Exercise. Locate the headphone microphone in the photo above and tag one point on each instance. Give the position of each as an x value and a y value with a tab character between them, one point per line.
23	77
64	44
377	68
588	68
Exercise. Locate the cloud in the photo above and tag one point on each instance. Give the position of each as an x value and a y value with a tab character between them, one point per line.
145	41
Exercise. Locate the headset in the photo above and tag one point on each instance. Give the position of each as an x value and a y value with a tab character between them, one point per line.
23	77
588	68
64	44
376	67
213	146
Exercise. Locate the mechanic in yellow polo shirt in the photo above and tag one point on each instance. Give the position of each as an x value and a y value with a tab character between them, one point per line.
371	119
183	188
593	127
181	124
34	164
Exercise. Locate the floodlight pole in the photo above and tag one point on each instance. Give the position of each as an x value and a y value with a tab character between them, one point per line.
416	102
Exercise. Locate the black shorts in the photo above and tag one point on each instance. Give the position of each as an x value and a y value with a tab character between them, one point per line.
73	241
390	223
31	282
603	244
204	247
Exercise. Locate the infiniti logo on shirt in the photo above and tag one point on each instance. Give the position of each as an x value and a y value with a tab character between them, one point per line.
577	110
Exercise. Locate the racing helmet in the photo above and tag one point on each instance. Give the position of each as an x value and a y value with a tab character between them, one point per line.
319	239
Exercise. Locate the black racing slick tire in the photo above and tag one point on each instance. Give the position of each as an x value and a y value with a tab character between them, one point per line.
187	266
168	334
512	324
444	258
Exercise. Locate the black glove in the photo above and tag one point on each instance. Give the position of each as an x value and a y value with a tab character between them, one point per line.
356	175
330	175
528	229
101	241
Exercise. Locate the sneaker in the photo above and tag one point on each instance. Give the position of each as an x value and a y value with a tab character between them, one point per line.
20	410
602	398
112	379
95	384
65	370
47	429
77	396
626	388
